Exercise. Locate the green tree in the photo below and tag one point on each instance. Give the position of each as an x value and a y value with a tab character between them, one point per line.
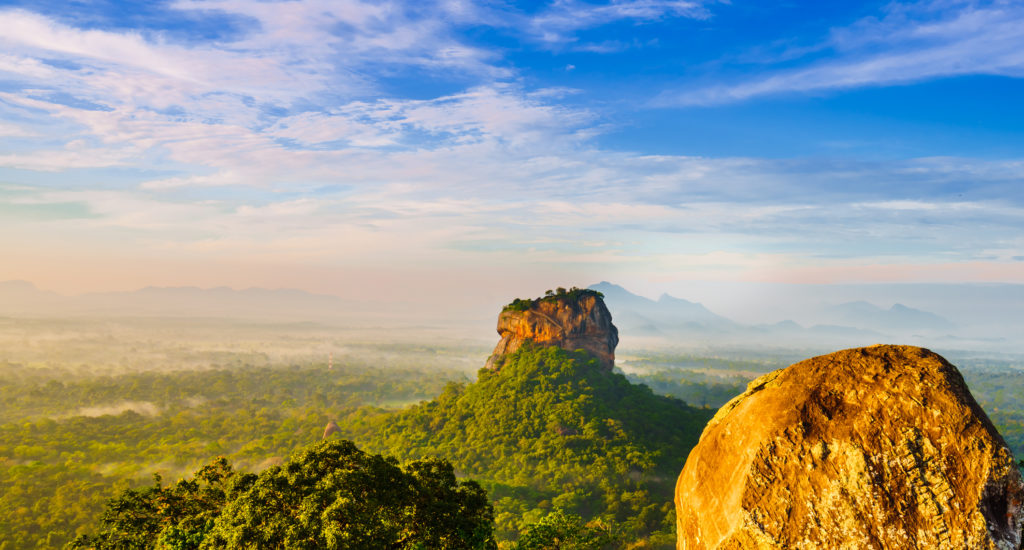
330	496
176	517
335	496
561	531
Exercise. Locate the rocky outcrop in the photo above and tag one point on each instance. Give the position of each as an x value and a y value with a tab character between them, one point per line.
880	447
572	320
331	428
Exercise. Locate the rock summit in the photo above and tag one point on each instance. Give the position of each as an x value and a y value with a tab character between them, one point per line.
573	319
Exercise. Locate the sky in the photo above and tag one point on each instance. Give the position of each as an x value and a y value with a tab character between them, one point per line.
455	150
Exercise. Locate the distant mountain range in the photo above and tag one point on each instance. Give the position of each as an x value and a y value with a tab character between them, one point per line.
897	317
633	312
677	321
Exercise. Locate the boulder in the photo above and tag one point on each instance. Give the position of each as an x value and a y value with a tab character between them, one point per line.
881	447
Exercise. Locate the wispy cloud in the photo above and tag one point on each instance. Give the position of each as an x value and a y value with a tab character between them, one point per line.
909	43
300	88
13	130
288	141
559	23
511	207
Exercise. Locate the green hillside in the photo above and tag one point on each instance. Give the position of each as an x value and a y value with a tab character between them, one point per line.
547	432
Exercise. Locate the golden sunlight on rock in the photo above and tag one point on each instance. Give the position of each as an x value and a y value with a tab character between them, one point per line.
880	447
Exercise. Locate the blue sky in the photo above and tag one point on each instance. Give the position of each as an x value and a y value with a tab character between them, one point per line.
486	148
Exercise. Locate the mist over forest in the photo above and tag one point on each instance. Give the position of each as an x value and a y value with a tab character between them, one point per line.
93	405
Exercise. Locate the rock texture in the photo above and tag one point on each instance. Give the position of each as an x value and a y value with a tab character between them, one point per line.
577	320
878	447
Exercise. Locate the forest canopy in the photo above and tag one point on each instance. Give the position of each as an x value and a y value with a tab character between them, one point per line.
85	416
329	496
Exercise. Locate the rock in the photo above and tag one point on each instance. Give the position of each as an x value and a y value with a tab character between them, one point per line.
577	319
331	428
880	447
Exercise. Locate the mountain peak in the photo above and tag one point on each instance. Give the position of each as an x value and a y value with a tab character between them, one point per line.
605	287
638	314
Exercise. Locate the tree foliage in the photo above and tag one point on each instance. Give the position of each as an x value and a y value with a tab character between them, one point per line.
572	294
178	516
561	531
330	496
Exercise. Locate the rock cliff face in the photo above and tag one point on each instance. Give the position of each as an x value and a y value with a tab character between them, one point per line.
880	447
574	320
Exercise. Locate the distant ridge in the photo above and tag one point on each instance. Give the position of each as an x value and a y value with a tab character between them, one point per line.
631	310
21	298
898	317
678	322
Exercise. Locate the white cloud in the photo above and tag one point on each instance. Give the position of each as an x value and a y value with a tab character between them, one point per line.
374	33
912	43
60	160
559	22
14	130
281	101
129	68
25	67
316	128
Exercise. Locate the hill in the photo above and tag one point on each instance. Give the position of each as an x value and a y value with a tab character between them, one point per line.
551	430
548	427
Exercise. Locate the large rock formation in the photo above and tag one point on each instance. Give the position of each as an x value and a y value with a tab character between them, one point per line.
572	320
879	447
